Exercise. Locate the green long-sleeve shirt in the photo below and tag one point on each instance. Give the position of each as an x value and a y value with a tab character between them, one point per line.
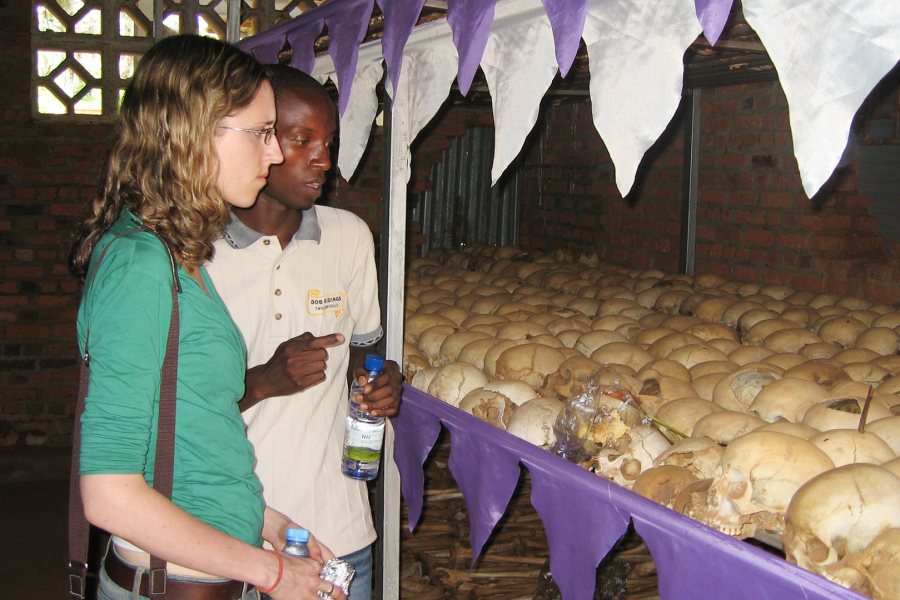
127	306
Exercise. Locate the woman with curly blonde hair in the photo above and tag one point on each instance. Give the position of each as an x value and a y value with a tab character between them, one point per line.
196	136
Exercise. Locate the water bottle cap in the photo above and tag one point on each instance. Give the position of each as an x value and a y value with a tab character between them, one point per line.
297	534
374	362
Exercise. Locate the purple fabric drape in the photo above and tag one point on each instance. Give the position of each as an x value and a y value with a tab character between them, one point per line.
580	530
567	21
346	30
470	21
411	450
346	21
486	477
303	56
713	14
399	19
584	515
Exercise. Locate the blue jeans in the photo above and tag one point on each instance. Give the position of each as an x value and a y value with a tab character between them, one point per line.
108	590
361	586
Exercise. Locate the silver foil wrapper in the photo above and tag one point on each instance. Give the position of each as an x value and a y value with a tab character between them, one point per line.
340	573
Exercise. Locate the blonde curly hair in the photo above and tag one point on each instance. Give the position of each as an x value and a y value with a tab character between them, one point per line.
163	163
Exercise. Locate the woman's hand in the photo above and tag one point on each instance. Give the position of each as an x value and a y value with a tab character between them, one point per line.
318	550
275	526
300	581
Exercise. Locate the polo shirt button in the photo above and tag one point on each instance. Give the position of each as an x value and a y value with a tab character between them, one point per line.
277	316
266	242
277	292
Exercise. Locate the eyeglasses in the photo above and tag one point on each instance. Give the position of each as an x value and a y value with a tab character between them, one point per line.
265	134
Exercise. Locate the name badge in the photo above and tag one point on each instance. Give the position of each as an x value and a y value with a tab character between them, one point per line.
318	304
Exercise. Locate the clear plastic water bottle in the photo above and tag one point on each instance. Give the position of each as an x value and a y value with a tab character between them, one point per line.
364	433
297	537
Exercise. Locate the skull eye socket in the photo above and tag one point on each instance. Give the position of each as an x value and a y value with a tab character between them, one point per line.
736	489
816	550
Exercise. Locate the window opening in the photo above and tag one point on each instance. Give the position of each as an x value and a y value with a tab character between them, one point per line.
84	51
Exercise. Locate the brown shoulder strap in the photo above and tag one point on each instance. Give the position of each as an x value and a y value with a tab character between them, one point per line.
79	528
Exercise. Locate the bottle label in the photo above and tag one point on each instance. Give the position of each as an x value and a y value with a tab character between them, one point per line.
365	438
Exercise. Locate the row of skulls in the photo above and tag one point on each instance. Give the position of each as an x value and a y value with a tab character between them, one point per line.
739	405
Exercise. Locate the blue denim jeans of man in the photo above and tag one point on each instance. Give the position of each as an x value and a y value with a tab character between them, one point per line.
108	590
361	585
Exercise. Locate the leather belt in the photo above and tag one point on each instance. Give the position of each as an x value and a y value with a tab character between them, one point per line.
122	574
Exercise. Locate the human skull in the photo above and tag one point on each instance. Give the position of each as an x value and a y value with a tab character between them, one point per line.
756	334
842	413
531	363
784	360
517	391
615	415
746	355
454	343
841	330
712	367
489	406
619	377
822	371
631	454
430	342
695	354
413	360
489	360
663	483
422	379
738	390
796	429
845	446
788	398
414	325
790	339
668	388
881	340
839	513
520	330
893	466
866	372
887	429
680	415
875	571
573	376
672	342
473	353
726	425
452	382
589	341
533	421
755	480
699	455
705	385
622	353
663	367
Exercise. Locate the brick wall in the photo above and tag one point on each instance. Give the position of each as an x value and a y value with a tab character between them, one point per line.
754	222
47	176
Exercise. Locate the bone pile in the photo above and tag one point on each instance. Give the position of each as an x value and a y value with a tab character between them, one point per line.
761	389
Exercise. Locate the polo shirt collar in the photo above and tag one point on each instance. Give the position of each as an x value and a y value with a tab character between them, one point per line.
239	236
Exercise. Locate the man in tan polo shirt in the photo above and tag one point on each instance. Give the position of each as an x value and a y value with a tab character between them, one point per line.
300	282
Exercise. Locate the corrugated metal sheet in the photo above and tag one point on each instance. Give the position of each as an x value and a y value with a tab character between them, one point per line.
461	207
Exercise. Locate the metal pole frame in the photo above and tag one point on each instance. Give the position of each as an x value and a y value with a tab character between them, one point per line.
688	243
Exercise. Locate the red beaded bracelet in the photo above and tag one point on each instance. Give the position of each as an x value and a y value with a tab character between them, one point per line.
277	579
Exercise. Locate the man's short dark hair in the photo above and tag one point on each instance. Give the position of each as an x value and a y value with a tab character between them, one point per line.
286	77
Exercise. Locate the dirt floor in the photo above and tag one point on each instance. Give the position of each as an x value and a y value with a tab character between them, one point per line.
34	493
